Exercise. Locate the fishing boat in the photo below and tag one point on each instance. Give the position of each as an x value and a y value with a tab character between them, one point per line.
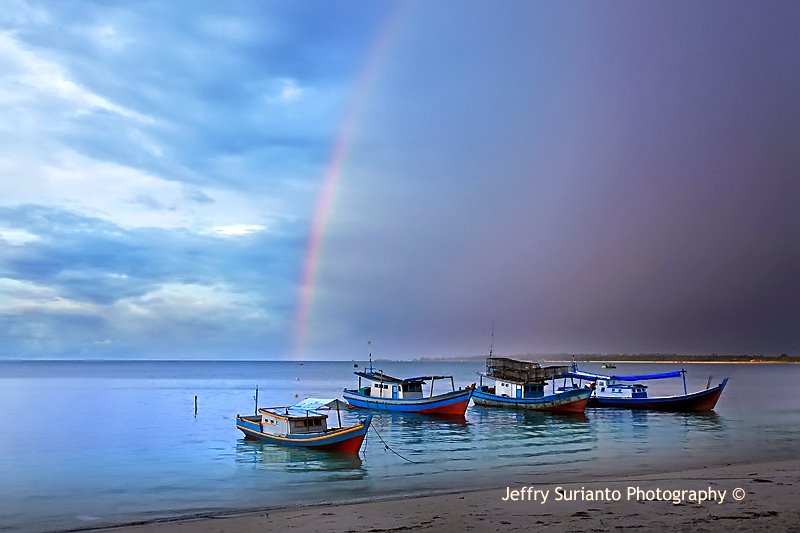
523	385
628	392
388	393
609	365
303	425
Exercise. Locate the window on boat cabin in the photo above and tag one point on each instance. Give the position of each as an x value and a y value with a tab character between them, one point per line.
412	387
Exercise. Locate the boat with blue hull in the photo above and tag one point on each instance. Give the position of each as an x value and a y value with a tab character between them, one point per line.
570	401
300	425
388	393
523	385
627	392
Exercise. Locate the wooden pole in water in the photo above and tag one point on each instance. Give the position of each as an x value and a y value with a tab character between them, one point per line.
195	406
255	411
338	413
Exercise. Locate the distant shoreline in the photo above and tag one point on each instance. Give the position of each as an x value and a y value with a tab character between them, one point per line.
636	358
674	361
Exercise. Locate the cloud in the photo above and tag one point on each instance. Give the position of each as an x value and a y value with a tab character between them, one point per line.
158	167
123	285
39	77
238	230
290	91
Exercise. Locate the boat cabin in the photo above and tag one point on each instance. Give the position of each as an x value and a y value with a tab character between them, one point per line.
512	389
518	379
289	420
380	385
611	388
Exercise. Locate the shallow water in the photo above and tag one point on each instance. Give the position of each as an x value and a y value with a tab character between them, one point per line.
90	443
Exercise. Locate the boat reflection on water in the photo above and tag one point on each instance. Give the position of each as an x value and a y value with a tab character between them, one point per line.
643	422
269	457
417	420
643	438
533	419
414	432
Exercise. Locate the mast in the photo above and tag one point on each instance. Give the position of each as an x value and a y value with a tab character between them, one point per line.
491	346
369	343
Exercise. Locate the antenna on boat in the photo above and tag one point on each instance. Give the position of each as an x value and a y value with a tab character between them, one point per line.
491	346
369	343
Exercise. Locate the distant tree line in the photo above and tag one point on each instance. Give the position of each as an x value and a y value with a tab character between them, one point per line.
642	357
675	358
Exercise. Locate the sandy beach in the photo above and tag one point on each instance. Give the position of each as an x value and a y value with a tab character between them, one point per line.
741	497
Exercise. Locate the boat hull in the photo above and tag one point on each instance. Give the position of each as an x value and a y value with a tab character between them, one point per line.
449	404
571	401
342	440
704	400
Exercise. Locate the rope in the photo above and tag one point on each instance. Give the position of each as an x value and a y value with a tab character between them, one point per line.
390	448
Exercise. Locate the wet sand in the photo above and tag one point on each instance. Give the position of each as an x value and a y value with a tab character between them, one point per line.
769	495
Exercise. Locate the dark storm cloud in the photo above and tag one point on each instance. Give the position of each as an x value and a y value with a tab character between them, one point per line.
590	179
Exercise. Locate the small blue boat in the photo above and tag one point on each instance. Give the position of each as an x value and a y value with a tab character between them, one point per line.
388	393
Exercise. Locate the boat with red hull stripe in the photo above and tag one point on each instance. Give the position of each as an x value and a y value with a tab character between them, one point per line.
452	403
571	401
524	385
628	392
303	427
704	400
407	395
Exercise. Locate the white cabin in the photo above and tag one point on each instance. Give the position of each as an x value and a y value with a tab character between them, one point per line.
292	421
611	388
384	386
514	389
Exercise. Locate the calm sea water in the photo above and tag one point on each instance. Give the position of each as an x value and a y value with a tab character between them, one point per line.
91	443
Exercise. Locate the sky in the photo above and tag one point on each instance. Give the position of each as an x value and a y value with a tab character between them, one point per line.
288	180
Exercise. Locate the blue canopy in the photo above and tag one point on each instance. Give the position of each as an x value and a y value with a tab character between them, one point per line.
644	377
588	376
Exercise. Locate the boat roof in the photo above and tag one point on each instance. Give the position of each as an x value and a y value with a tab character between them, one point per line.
315	404
291	413
518	371
510	380
589	376
385	378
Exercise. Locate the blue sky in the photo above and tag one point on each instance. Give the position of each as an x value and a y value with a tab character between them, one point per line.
615	178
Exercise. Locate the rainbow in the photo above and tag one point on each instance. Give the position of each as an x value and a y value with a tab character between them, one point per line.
332	176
